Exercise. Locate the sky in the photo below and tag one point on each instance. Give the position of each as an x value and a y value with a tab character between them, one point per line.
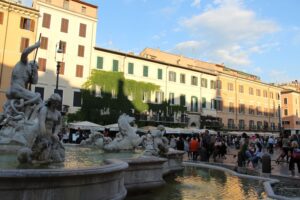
261	37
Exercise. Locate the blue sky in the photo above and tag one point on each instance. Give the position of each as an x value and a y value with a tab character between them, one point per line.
261	37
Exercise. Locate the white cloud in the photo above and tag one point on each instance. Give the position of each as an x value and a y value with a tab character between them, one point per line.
232	31
196	3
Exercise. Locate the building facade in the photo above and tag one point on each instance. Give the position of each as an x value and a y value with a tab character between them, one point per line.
68	34
17	31
242	101
178	85
290	102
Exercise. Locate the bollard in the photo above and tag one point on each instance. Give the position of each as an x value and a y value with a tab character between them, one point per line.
266	163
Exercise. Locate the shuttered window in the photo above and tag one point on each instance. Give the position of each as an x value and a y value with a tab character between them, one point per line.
24	43
42	64
64	25
77	99
79	71
44	43
82	30
62	68
46	20
80	51
1	17
39	90
99	62
159	74
27	24
130	68
115	65
145	71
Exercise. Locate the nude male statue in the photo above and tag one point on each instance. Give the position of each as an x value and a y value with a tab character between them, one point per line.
24	74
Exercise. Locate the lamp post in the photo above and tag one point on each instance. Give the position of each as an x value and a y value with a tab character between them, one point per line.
58	64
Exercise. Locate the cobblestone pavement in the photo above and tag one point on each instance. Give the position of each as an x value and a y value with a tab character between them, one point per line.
281	169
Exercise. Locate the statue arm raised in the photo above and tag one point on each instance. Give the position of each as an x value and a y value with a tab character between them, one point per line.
28	50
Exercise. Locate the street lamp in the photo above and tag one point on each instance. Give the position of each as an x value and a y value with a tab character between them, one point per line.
59	49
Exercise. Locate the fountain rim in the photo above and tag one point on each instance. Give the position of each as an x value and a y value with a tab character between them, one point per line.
110	166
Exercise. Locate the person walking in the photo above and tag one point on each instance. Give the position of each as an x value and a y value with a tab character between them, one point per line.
294	154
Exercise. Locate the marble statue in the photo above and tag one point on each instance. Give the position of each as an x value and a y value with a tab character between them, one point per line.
27	122
155	143
126	139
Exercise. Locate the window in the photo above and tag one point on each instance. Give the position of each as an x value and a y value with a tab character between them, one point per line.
194	104
286	112
285	100
218	105
46	20
259	124
1	17
83	9
194	80
230	123
219	84
251	92
212	84
230	86
99	62
204	82
82	30
171	98
77	99
39	90
62	68
64	25
241	88
231	107
42	64
80	51
182	100
203	102
251	110
79	71
146	97
258	92
44	43
277	96
242	108
241	124
172	76
24	44
62	46
159	97
182	78
271	95
265	93
27	24
130	68
115	65
159	74
145	71
66	4
251	124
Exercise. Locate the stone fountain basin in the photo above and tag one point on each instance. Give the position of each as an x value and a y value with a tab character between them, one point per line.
104	182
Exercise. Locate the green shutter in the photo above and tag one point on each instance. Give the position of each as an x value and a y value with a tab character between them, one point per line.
115	65
145	71
130	68
194	104
159	74
99	62
182	100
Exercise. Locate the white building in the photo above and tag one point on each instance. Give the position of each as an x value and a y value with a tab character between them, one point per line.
71	26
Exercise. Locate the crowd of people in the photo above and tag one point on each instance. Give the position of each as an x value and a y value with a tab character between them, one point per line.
250	148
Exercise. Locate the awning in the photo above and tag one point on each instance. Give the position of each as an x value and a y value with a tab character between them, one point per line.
85	125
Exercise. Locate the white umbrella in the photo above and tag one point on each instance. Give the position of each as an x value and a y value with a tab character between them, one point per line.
85	125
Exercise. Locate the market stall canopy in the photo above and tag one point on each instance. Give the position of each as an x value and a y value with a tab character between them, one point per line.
86	125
